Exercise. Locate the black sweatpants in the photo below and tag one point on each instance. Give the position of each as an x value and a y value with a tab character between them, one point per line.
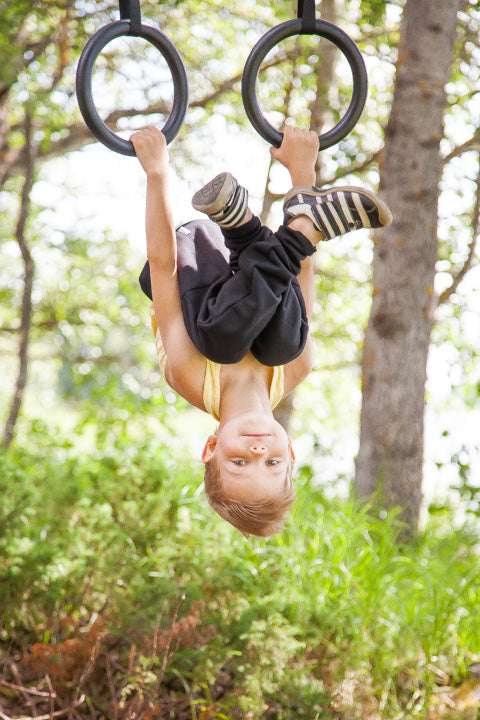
239	290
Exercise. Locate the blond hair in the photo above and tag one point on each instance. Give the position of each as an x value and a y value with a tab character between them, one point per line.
261	517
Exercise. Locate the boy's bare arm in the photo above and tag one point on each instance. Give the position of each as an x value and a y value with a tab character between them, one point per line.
297	370
151	149
298	153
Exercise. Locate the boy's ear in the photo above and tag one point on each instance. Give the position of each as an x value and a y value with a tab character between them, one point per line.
290	448
209	449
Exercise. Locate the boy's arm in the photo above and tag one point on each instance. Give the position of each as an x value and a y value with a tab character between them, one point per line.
299	369
298	153
151	149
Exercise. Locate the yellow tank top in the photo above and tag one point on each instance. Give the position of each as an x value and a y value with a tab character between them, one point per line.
211	384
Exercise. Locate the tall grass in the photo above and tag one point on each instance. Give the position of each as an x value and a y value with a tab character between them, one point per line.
332	618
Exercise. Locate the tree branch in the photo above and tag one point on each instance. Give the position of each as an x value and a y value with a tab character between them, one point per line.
79	135
223	88
268	197
27	288
355	168
446	294
228	84
9	159
472	144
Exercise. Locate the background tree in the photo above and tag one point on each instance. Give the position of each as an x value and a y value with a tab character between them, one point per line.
405	255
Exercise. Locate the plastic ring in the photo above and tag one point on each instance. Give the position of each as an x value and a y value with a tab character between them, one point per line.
84	83
294	27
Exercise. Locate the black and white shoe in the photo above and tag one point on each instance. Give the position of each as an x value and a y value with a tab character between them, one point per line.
338	210
223	199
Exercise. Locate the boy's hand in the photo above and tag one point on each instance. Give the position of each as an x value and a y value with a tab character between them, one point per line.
298	153
151	149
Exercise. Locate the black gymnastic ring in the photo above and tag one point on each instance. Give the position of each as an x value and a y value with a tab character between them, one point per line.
295	27
84	82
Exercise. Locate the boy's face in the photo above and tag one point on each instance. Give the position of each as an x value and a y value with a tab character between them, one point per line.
253	453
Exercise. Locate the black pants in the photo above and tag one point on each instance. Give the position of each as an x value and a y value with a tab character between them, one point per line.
239	290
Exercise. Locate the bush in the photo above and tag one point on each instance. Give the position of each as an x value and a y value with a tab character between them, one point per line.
117	580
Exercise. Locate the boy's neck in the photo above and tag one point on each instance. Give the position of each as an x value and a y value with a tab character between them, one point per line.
243	392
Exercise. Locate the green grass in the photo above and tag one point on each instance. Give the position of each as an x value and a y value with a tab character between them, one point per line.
330	619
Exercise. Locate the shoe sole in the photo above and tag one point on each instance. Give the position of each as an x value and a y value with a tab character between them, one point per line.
384	214
213	196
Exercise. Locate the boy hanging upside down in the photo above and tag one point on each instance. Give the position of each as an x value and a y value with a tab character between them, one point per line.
232	302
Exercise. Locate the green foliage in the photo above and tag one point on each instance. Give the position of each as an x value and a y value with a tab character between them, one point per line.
91	330
278	623
106	515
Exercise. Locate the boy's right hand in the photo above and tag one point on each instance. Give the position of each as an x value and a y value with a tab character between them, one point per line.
151	149
298	153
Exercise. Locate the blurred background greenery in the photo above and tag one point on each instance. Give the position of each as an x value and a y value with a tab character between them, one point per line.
121	594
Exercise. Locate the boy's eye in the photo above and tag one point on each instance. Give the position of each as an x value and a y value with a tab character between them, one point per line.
241	462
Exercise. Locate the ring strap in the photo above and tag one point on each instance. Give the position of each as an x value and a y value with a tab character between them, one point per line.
130	10
306	11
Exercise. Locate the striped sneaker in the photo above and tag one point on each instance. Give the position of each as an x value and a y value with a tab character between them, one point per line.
338	210
223	199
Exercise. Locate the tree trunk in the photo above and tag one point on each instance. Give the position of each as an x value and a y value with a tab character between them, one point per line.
395	351
25	322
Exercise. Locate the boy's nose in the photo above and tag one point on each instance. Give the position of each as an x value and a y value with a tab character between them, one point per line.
258	449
